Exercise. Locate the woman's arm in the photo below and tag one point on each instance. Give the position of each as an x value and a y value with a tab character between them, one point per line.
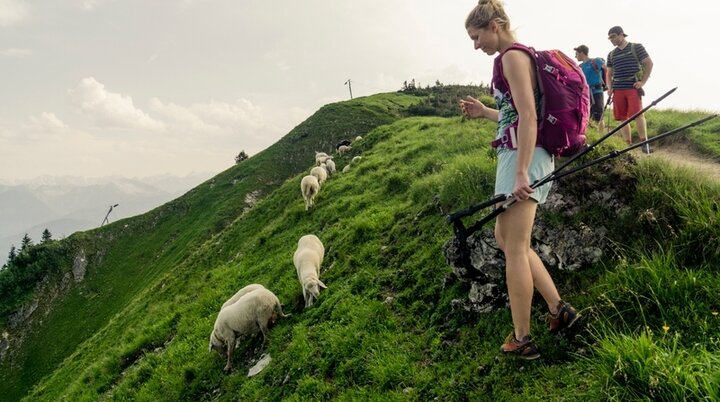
520	74
473	108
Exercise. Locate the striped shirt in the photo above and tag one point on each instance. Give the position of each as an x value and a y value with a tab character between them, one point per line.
625	66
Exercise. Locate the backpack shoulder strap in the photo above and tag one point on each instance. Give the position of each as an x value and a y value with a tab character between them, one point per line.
634	53
499	64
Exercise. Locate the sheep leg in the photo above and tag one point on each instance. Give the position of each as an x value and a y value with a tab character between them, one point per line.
230	351
264	331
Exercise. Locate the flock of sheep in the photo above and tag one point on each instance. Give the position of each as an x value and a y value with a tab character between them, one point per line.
254	308
324	168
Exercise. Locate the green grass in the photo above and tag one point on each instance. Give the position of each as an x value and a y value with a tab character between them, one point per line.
385	329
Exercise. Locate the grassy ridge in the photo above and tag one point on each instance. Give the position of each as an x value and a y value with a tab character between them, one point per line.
385	328
129	256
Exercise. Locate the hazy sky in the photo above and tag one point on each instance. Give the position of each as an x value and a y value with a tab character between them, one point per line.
145	87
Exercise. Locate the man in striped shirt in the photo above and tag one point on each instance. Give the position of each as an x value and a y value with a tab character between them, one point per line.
629	67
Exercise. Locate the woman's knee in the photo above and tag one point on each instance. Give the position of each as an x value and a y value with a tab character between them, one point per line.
499	238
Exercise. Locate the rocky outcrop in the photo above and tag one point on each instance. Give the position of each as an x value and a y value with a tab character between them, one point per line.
51	287
79	266
561	246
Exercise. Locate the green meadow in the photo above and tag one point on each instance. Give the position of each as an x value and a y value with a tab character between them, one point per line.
137	327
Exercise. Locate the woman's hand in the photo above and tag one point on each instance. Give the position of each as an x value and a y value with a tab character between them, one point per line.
522	189
472	107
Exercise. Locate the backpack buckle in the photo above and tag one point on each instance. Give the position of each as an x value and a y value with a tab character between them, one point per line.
550	69
552	119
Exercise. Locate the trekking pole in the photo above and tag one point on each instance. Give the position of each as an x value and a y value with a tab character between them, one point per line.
454	217
609	101
617	153
552	177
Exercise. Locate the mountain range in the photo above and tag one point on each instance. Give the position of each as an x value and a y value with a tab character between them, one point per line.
66	204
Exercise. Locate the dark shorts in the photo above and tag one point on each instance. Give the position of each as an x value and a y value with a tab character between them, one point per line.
598	103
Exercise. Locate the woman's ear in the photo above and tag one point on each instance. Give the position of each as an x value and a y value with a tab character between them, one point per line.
494	26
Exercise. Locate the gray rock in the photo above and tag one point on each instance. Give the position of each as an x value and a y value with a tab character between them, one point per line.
260	365
79	266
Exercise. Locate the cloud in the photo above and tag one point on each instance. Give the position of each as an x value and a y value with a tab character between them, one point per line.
47	122
12	12
220	118
112	110
15	52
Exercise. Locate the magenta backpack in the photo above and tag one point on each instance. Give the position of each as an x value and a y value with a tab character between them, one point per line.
564	101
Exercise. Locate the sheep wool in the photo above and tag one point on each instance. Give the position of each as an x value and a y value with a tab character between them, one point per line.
253	312
309	187
240	293
307	259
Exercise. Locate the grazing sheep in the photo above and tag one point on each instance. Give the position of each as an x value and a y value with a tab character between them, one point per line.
341	143
252	313
343	148
330	166
358	138
309	187
357	158
247	289
346	169
320	173
321	157
307	259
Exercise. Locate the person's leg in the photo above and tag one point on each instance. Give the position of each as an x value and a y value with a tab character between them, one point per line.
600	101
514	228
634	106
620	111
543	282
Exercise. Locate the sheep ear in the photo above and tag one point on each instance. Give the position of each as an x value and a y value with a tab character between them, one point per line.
322	285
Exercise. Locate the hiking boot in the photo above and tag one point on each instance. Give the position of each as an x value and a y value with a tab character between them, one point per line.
564	318
647	150
524	349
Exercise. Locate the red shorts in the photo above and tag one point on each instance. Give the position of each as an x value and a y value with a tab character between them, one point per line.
626	102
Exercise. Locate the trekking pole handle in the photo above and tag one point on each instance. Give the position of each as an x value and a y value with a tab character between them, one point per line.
474	208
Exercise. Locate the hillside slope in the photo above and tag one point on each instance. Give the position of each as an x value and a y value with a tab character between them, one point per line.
128	256
387	327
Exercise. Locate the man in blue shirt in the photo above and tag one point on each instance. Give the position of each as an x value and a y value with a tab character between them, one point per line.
594	70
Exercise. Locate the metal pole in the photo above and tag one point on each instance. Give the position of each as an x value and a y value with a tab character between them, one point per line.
349	84
108	214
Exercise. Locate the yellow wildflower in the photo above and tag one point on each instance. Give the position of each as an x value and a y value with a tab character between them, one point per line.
666	328
715	313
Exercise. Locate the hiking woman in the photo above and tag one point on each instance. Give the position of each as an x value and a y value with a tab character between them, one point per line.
489	28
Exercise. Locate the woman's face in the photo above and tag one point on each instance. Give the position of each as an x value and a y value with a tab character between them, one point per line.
484	39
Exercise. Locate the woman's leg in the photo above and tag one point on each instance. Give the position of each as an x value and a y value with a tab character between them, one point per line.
543	282
513	229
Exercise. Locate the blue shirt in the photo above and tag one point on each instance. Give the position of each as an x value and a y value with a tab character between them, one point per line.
593	77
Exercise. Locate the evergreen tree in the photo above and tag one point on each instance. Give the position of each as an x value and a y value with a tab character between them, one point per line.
241	156
12	254
46	236
25	243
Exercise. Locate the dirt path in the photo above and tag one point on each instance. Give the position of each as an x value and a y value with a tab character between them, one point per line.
680	155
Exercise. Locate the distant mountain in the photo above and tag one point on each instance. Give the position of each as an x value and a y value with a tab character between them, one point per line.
66	204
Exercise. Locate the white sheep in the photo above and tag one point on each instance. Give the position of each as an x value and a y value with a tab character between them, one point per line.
320	173
358	138
309	187
253	312
357	158
346	168
307	259
343	148
321	157
330	166
240	293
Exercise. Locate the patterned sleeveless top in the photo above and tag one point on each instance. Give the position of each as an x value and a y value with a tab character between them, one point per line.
508	115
